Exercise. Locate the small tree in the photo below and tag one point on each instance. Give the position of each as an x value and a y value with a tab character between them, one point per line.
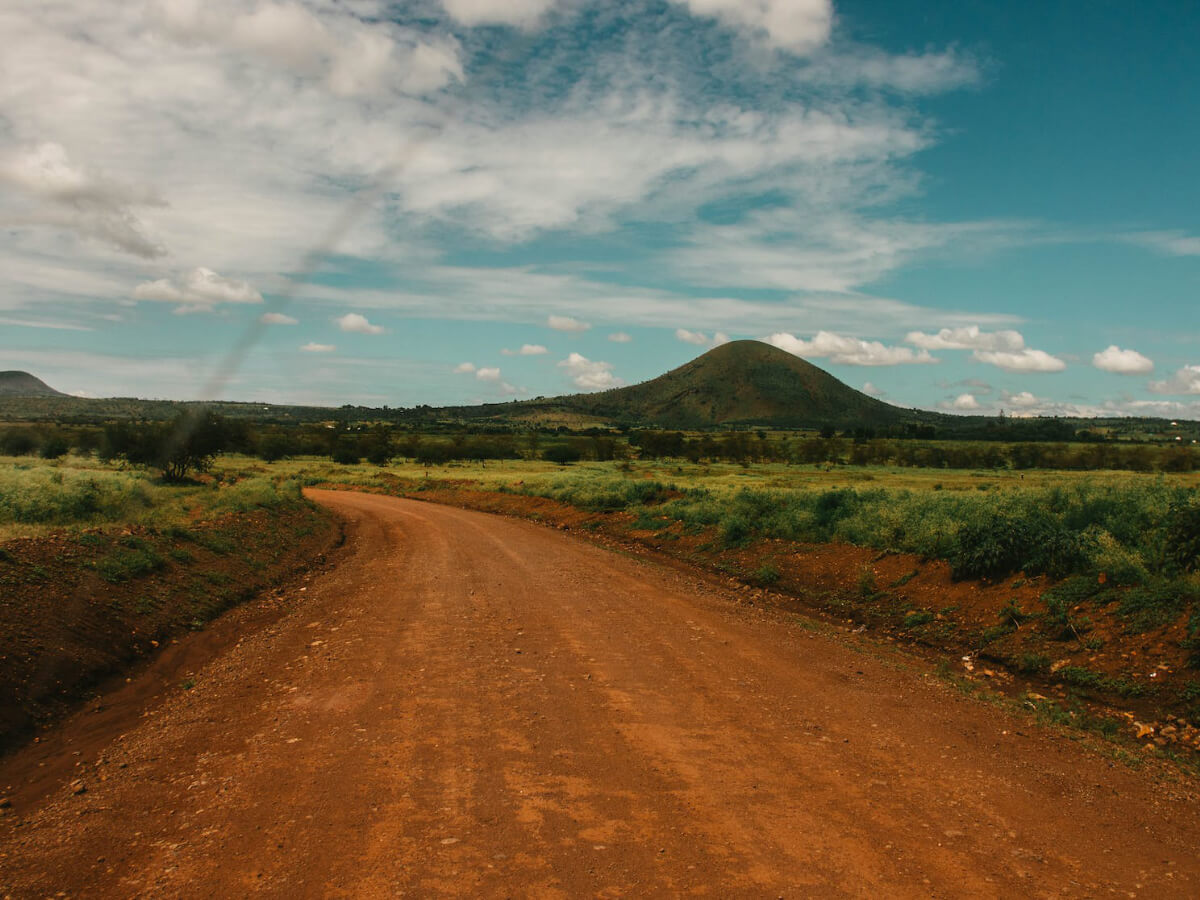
561	454
189	443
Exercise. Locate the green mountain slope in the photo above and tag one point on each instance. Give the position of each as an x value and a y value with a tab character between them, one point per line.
742	382
22	384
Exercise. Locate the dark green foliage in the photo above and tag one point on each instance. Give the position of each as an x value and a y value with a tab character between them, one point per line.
918	618
562	454
766	575
1182	539
1159	603
17	442
274	447
55	446
346	452
122	565
1035	543
189	443
1080	676
735	531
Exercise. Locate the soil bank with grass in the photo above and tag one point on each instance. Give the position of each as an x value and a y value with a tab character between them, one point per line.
81	606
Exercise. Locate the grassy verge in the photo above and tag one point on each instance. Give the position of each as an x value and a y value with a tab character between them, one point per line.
100	567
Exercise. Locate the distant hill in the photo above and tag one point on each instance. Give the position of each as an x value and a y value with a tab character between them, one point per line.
22	384
742	382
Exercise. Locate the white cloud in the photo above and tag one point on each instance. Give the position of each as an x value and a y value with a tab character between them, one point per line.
810	246
796	25
1173	243
620	337
969	337
313	347
488	373
963	402
526	350
464	368
700	339
58	193
521	13
847	350
917	73
357	324
1023	400
871	390
42	323
1027	360
588	374
1184	381
199	290
1123	362
568	324
350	56
274	318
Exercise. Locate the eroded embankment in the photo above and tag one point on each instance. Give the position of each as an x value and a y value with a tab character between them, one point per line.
1087	664
79	607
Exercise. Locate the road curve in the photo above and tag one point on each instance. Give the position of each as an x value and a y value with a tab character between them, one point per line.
469	705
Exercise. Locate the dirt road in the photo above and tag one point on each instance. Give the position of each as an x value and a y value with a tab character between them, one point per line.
473	706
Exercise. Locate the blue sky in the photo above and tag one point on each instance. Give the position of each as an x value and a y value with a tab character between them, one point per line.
964	205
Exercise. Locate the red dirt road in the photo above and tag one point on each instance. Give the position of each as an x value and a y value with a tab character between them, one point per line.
474	706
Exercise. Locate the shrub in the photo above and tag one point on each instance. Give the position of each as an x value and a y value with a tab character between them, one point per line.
561	454
345	453
54	447
766	575
1003	544
1182	538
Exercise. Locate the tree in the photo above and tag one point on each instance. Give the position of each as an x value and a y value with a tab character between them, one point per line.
561	454
189	443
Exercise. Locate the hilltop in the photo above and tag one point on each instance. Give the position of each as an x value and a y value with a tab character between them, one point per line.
21	384
742	382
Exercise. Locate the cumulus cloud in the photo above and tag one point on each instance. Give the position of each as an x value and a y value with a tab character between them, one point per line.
357	324
1005	348
521	13
871	390
1023	400
1184	381
568	324
588	374
962	403
350	56
1027	360
799	26
313	347
464	368
620	337
200	290
488	373
848	351
1123	362
526	350
970	337
700	339
59	193
274	318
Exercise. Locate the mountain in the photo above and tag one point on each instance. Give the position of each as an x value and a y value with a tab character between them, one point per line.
742	382
22	384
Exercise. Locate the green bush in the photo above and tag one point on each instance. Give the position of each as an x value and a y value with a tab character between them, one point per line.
1182	538
1001	545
